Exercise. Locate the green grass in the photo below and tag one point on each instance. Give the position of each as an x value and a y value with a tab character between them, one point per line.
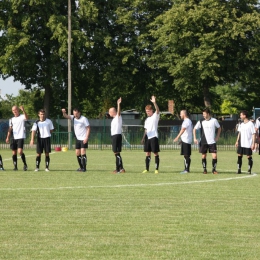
64	214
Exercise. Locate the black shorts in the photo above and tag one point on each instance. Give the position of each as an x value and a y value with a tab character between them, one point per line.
80	145
116	143
17	144
151	145
185	149
244	151
204	148
43	144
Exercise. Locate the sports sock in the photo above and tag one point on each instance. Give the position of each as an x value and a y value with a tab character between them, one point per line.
79	162
1	162
118	162
147	162
84	161
47	161
250	163
239	162
38	161
15	160
204	164
157	162
187	162
23	159
214	164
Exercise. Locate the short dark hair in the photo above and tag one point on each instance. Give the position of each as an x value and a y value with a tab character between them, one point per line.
244	112
207	110
76	109
41	111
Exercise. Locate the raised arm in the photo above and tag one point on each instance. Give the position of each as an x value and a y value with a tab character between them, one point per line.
25	114
118	106
63	110
153	100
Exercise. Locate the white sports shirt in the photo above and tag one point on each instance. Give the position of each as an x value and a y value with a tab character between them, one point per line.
45	128
257	123
80	126
209	128
151	125
18	125
246	131
186	137
116	125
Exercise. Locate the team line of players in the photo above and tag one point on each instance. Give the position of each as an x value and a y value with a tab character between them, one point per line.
207	126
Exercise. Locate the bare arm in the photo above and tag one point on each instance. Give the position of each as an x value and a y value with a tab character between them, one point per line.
87	135
153	100
118	106
194	136
142	141
65	114
25	114
32	137
179	135
218	134
8	134
236	144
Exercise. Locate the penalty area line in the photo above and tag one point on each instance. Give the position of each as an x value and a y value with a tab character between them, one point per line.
132	185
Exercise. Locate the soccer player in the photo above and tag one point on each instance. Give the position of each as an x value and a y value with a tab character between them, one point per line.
43	128
150	138
82	131
208	140
116	135
17	129
245	141
186	138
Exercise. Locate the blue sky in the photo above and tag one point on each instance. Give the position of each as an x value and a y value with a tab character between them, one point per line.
9	87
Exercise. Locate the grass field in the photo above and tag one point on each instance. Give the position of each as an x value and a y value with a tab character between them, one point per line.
64	214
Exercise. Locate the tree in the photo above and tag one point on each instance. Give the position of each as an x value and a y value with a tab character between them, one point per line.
207	43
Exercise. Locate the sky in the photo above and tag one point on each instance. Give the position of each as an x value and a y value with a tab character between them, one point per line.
9	87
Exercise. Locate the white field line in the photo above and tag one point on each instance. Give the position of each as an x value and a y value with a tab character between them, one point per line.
132	185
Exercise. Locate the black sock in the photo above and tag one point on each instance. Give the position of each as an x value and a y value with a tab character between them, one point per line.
79	161
47	161
23	159
204	164
1	162
157	162
239	162
250	163
118	162
38	161
147	162
84	161
15	160
187	162
214	164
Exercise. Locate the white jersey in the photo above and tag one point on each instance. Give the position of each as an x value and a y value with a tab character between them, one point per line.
116	125
18	125
257	124
246	131
44	128
186	137
208	130
80	126
151	125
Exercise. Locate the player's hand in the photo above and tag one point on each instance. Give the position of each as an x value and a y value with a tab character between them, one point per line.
119	100
153	99
22	108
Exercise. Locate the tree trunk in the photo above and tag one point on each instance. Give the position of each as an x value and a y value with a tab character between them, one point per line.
206	95
47	100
